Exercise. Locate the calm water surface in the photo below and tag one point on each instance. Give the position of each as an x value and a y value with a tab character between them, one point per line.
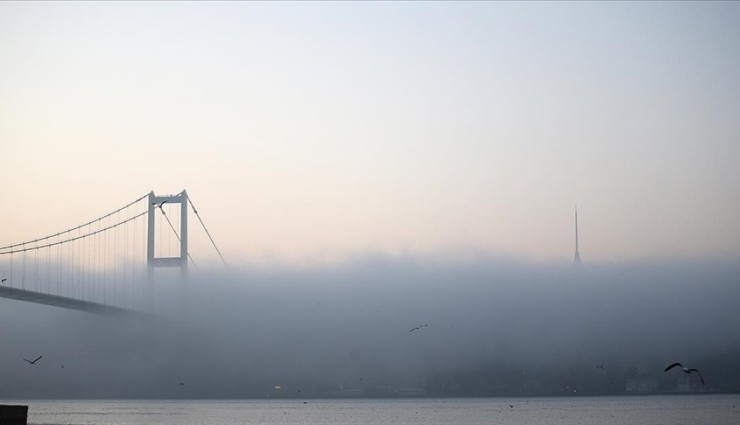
693	410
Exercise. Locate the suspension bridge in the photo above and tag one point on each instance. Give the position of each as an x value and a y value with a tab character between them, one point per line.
106	265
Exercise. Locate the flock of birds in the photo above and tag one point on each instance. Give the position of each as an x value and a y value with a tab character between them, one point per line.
182	384
684	369
33	362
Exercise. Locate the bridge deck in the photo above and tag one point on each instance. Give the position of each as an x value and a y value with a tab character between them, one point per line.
69	303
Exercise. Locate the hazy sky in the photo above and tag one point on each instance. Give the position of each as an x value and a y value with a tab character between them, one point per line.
307	131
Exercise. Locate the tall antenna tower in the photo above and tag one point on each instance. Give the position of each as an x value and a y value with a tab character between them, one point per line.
577	258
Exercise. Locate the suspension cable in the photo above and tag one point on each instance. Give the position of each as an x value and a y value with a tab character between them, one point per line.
2	248
206	229
78	237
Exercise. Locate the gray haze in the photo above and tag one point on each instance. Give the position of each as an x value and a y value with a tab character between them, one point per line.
494	328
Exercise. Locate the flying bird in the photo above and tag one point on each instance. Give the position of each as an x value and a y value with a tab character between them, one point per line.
4	279
685	370
181	384
33	362
418	327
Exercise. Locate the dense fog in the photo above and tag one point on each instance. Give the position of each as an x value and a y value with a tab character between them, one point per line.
493	327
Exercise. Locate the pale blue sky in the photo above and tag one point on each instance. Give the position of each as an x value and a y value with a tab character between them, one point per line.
317	130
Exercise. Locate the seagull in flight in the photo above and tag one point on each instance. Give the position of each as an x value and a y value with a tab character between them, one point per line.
33	362
685	370
418	327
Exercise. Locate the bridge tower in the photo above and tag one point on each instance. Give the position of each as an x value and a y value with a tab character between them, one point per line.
181	261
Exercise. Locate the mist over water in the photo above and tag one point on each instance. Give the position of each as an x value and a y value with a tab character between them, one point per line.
494	328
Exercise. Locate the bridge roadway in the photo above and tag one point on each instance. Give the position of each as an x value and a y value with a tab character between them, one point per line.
69	303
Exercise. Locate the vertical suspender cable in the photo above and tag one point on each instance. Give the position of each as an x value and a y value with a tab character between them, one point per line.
83	268
59	264
115	268
96	270
23	268
48	274
105	264
36	269
125	256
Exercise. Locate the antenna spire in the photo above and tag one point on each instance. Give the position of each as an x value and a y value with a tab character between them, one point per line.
577	258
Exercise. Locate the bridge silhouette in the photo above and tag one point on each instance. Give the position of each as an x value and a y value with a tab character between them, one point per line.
106	265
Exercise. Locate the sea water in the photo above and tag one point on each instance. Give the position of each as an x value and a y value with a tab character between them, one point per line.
689	410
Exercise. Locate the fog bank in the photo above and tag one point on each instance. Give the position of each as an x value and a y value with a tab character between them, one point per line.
493	328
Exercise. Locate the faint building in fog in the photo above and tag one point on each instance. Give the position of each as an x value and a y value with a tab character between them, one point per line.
641	385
